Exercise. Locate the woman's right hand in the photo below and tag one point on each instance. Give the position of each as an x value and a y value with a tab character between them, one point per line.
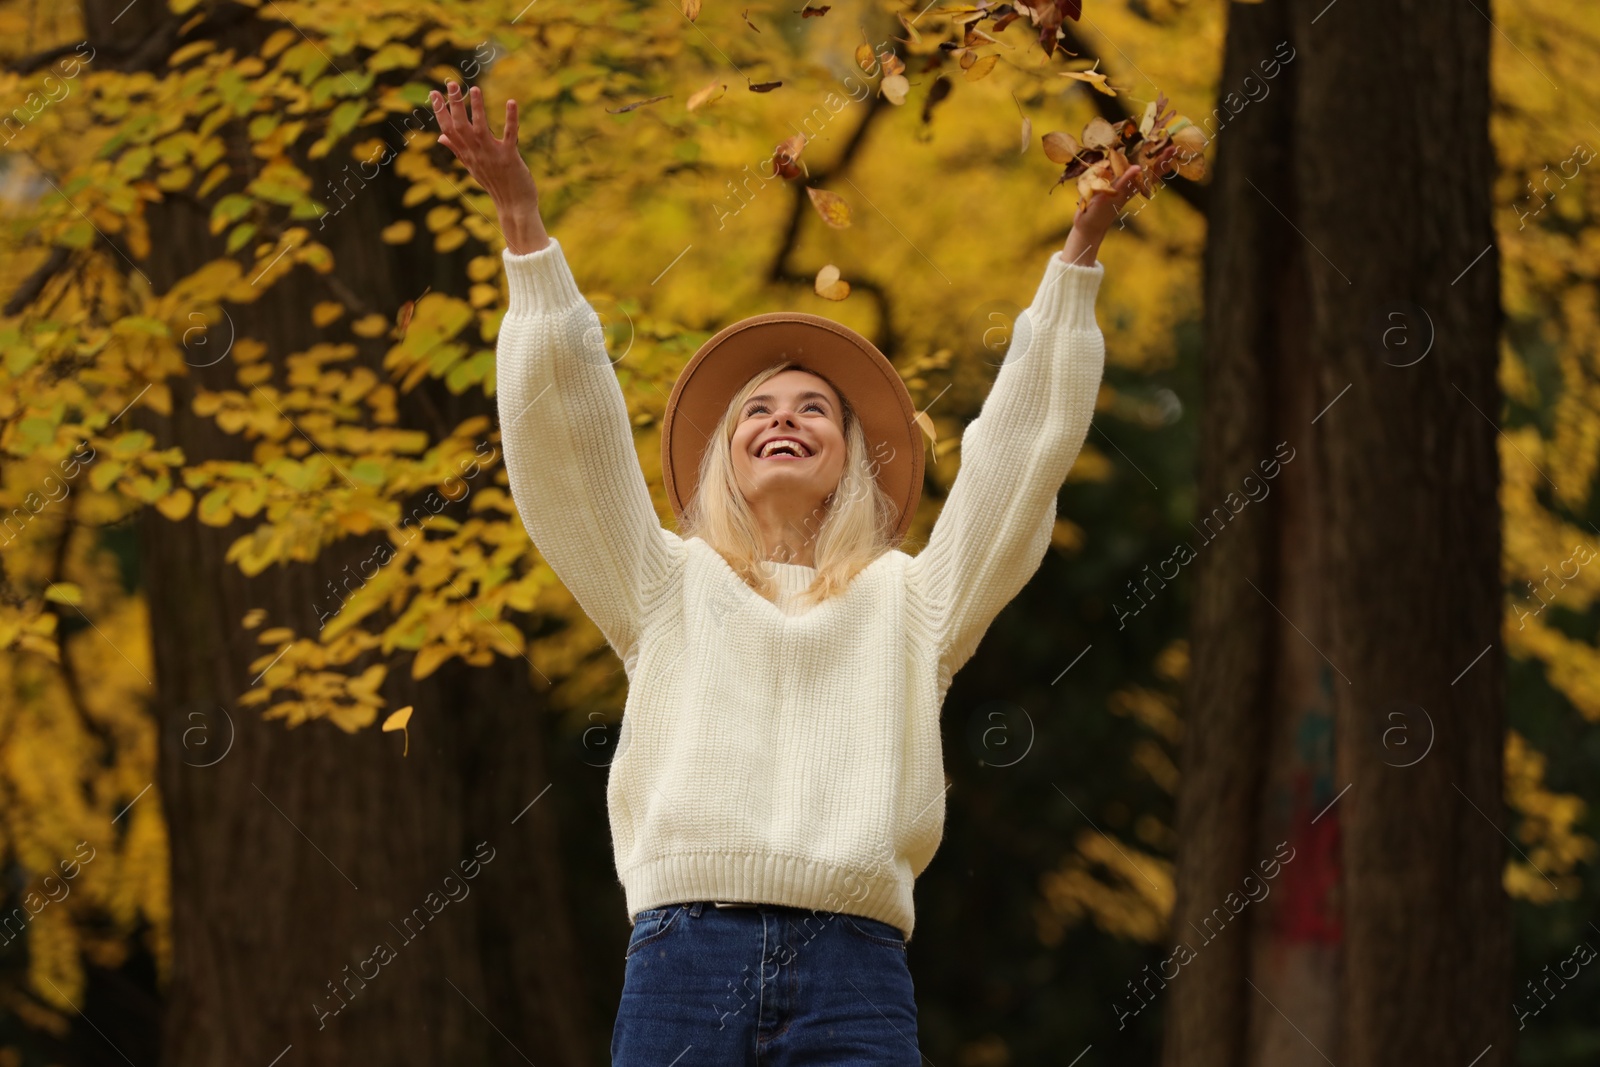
494	162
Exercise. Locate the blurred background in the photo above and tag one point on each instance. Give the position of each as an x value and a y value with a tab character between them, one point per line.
1287	755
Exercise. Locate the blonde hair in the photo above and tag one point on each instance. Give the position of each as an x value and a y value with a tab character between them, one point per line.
856	520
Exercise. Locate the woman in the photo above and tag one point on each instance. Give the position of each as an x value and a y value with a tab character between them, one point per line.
778	784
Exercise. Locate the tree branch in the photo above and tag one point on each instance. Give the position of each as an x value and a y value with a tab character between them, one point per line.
779	272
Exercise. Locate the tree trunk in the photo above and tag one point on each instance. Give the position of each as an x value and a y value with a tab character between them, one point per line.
299	851
1330	705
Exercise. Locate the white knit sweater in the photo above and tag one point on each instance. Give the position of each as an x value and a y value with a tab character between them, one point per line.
768	752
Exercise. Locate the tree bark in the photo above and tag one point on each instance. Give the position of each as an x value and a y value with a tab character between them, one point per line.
1331	705
300	850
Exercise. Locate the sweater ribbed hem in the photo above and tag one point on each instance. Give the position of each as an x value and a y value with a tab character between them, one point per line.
1067	294
539	281
769	879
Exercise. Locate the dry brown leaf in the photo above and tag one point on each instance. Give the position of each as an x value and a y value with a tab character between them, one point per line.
402	318
764	87
636	103
808	11
1060	147
829	285
967	58
916	38
704	96
831	206
1091	77
921	419
1099	134
692	9
894	88
785	161
1191	160
745	14
1119	162
893	65
1027	133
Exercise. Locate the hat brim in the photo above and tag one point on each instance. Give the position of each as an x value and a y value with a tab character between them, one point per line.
865	377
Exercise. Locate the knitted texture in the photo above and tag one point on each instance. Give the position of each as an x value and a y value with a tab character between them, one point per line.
772	752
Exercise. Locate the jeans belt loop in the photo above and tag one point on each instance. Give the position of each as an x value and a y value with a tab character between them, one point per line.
733	904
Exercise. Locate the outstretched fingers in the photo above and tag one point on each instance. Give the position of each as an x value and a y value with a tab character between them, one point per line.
510	136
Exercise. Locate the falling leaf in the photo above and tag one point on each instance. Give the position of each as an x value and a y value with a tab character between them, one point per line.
1092	77
705	96
982	67
1191	160
1099	134
894	88
1027	133
893	65
916	38
398	721
831	206
829	285
692	9
865	58
403	318
808	11
922	419
785	161
1060	147
966	57
764	87
636	103
975	36
745	14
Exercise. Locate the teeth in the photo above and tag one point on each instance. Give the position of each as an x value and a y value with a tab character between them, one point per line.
795	447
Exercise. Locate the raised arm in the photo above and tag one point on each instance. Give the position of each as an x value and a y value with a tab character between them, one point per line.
998	517
564	426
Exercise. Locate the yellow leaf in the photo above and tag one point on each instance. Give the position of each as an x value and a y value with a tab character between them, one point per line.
398	233
398	721
692	9
442	216
831	206
64	593
926	423
326	311
982	67
373	325
450	240
175	505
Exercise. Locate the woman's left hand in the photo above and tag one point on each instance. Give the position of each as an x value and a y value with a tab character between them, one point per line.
1093	220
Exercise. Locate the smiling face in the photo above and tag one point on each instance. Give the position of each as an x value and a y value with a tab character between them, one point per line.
789	440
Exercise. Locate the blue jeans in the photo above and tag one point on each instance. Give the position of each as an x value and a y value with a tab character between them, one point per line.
767	986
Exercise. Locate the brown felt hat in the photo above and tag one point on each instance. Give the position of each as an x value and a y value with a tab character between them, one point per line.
862	375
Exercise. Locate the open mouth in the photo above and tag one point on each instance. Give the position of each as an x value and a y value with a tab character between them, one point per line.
784	448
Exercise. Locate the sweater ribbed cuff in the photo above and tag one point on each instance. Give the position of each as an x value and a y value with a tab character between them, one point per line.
1066	295
539	281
